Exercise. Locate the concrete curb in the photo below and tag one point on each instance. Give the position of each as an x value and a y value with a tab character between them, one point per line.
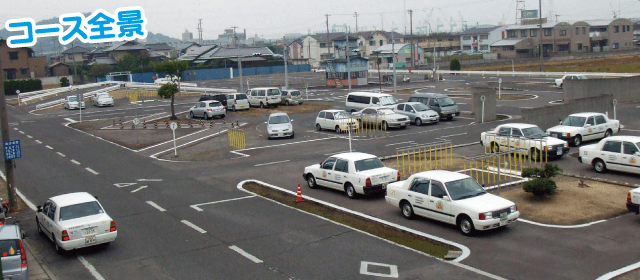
37	269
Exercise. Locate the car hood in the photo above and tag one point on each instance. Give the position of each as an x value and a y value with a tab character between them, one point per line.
588	147
565	129
279	127
428	112
395	116
105	99
484	203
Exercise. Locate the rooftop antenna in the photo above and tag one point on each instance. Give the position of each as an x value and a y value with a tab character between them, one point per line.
519	8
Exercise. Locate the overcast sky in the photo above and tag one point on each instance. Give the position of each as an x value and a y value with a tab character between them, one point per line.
273	19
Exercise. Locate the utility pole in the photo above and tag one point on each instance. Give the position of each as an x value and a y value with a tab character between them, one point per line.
411	37
284	53
541	37
347	50
235	41
328	48
73	53
393	59
355	14
200	31
8	164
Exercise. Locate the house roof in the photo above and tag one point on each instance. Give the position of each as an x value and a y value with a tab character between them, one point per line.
159	47
232	52
184	45
76	50
386	48
600	22
125	46
344	38
369	34
322	37
508	42
532	26
197	52
476	30
103	60
248	59
58	64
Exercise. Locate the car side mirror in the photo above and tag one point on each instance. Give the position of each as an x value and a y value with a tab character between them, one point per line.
265	122
446	198
291	120
25	235
559	121
39	208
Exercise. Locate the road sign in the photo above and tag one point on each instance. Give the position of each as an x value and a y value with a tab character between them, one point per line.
174	126
12	149
615	102
500	80
483	98
17	91
136	121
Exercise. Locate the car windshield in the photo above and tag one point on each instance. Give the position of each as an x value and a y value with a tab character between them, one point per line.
533	132
278	119
103	96
574	121
73	99
464	188
341	115
388	100
273	92
80	210
420	107
368	164
385	111
446	102
582	77
295	93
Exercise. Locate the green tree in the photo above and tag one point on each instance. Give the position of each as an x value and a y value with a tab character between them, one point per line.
541	184
99	70
454	65
173	69
64	82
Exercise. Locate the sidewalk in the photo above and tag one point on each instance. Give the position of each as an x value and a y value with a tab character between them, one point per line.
37	270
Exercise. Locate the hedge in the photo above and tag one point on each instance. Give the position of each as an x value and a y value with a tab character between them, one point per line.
10	86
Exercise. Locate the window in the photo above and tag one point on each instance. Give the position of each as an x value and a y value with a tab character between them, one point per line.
548	32
342	166
433	102
516	132
616	46
70	56
375	100
80	210
13	55
400	107
591	121
24	71
321	115
421	186
533	33
466	38
579	46
261	93
616	29
630	148
612	146
563	32
323	45
511	34
329	116
523	33
484	37
508	48
600	120
437	191
466	48
328	164
504	131
439	40
628	27
484	47
563	47
372	43
577	30
408	108
584	30
368	164
381	42
52	211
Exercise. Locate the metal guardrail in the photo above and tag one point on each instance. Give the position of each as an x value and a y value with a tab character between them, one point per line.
85	95
510	73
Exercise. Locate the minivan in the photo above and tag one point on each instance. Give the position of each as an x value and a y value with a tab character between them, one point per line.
238	101
12	252
264	97
291	97
441	103
357	101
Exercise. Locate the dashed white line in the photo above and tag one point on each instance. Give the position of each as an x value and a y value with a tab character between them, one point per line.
29	136
91	170
38	141
138	189
21	132
91	269
75	161
245	254
156	206
149	180
49	147
269	163
61	154
453	135
15	128
195	206
410	142
193	226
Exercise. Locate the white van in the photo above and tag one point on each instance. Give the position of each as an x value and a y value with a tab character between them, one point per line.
357	101
264	97
237	101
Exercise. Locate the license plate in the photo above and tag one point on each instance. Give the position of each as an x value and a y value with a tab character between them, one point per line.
89	239
280	134
503	218
89	230
241	107
559	152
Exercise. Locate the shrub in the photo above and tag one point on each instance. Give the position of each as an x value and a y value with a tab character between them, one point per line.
549	170
64	82
540	186
454	65
10	86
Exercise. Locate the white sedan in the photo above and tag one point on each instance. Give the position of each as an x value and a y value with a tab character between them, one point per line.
560	82
336	120
619	153
103	99
584	126
75	220
453	198
354	173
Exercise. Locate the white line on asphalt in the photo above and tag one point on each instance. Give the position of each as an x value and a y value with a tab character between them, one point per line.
453	135
245	254
75	161
394	144
621	271
61	154
341	152
136	190
29	136
156	206
91	269
15	128
149	180
91	170
195	206
21	132
49	147
556	226
193	226
70	120
38	141
630	129
156	145
268	163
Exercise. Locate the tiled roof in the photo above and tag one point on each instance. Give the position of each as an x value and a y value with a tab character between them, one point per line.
76	50
159	47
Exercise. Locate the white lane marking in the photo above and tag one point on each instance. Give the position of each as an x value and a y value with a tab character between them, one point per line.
269	163
149	180
557	226
138	189
245	254
122	185
195	206
341	152
91	170
61	154
49	147
38	141
630	129
91	269
393	269
453	135
75	161
156	206
193	226
394	144
15	128
621	271
70	120
21	132
29	136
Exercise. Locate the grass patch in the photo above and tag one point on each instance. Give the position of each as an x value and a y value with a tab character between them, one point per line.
5	195
410	240
515	96
619	64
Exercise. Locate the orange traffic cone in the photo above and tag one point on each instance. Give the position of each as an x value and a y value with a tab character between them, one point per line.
299	197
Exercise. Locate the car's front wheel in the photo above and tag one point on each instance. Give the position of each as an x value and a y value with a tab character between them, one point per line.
311	181
577	140
261	105
418	122
466	226
318	127
338	129
407	210
608	133
191	115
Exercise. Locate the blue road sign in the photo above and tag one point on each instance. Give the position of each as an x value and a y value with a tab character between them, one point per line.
12	149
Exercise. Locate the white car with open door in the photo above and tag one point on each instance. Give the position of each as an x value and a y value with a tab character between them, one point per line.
577	128
353	173
75	220
453	198
619	153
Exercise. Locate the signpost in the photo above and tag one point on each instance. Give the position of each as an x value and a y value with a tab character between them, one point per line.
615	102
483	98
12	150
173	127
499	89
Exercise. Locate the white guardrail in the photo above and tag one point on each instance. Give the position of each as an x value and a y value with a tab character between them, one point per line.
40	94
85	95
509	73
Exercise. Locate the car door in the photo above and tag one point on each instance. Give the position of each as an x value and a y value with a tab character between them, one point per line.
399	109
504	133
202	109
42	217
440	209
410	112
418	195
629	159
50	218
341	173
590	130
326	173
320	119
601	126
329	121
367	115
612	155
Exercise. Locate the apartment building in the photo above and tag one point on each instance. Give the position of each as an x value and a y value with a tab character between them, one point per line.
480	39
602	35
20	63
441	43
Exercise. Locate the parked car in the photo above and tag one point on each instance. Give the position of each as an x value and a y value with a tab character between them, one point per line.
357	101
75	220
166	79
291	97
455	53
441	103
633	201
560	82
584	126
71	102
453	198
527	137
279	125
238	101
355	173
384	117
417	112
13	254
222	98
336	120
103	99
619	153
264	97
207	110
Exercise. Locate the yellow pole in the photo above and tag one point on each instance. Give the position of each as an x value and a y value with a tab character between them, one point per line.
499	163
476	161
482	173
451	158
464	167
441	157
403	173
430	160
420	159
397	159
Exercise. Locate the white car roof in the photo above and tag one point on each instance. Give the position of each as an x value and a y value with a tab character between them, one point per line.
442	175
72	199
278	114
260	88
518	125
354	156
628	138
365	93
334	110
586	115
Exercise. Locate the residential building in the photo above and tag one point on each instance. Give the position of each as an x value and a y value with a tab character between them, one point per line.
340	48
228	57
441	43
296	53
20	63
368	41
180	48
120	49
318	47
384	56
187	36
59	69
162	49
602	35
357	66
479	39
75	54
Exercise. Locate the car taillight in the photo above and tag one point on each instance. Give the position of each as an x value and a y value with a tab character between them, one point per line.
113	226
65	235
568	134
1	222
482	216
398	179
368	184
628	199
23	254
235	101
267	98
